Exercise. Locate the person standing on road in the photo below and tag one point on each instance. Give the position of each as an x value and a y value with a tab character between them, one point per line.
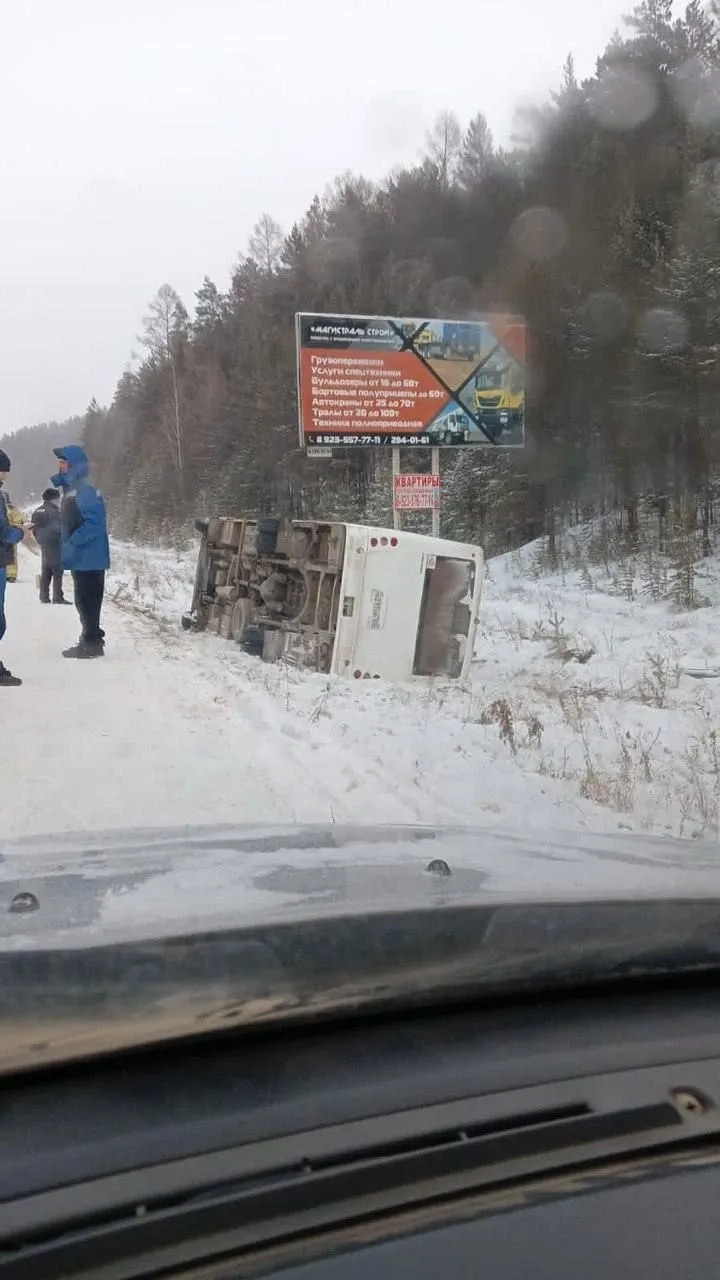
84	546
10	535
15	518
46	525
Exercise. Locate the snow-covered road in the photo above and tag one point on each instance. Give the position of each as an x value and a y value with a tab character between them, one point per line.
177	729
579	718
152	734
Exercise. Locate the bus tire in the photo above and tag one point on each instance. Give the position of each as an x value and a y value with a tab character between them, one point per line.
239	619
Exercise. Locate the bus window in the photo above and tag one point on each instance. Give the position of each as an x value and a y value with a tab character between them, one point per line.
445	617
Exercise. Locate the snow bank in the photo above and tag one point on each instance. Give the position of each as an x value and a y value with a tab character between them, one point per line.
581	711
157	581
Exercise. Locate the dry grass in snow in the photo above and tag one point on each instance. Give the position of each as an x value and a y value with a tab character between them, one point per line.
580	714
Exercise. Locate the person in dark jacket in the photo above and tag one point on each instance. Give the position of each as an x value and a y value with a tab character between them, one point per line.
46	525
10	535
84	545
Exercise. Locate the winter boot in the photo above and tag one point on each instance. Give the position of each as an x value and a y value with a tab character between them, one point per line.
84	650
7	679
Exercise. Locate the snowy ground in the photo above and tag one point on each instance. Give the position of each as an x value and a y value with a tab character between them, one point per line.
580	716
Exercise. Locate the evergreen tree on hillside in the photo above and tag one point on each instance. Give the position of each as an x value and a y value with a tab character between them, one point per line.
31	452
600	226
476	153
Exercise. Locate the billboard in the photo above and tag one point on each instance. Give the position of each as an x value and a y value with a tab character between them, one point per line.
416	492
381	380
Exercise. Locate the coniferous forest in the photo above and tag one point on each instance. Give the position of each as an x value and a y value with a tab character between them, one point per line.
600	223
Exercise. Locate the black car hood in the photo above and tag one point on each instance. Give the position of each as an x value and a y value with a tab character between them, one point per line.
113	939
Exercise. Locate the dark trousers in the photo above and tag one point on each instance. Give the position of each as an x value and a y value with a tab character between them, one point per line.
51	573
89	585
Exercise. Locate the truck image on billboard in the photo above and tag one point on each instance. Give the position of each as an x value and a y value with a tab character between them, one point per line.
381	380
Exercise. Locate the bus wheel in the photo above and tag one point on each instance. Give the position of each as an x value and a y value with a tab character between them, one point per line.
239	619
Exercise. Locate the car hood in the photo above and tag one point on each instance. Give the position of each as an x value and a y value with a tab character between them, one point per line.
116	939
149	883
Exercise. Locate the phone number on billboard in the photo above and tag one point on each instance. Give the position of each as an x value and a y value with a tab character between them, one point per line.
313	439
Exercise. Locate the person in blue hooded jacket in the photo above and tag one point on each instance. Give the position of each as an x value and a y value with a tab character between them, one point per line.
84	546
10	534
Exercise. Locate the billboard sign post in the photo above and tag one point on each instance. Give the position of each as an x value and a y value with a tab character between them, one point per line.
399	382
435	469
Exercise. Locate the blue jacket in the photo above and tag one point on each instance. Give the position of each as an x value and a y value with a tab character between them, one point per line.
85	545
9	534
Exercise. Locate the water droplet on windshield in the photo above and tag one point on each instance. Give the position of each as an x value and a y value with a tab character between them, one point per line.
662	330
604	315
453	296
539	233
697	93
624	98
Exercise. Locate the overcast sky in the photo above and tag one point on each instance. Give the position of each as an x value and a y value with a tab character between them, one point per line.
141	139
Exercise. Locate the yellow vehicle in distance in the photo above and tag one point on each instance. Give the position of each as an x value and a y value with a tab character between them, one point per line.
500	399
426	338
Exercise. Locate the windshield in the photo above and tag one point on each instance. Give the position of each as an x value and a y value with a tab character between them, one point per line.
361	452
491	380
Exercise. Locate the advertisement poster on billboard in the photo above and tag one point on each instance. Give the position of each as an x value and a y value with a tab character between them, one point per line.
379	380
416	492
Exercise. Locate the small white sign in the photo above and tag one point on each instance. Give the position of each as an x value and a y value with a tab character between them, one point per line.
318	451
378	606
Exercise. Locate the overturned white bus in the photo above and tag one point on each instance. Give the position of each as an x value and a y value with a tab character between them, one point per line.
342	599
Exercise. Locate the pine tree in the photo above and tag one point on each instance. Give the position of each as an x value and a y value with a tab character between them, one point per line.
210	307
476	154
